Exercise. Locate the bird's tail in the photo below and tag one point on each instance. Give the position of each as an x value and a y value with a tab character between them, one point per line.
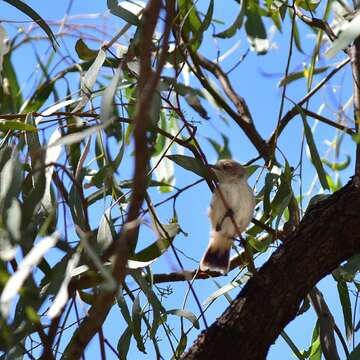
217	255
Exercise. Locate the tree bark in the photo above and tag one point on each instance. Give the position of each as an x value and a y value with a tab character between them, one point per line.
328	234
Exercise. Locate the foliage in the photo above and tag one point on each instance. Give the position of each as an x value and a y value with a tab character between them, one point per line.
68	149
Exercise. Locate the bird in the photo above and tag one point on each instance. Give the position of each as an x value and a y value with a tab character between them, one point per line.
239	197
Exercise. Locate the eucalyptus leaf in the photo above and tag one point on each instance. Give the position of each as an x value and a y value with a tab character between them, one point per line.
193	165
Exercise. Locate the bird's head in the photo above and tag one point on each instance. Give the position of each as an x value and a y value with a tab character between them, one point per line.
228	170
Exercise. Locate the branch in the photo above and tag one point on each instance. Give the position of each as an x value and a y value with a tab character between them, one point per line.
243	116
328	234
295	109
327	121
128	236
355	65
316	23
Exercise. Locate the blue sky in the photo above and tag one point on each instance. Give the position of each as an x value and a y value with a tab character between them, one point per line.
263	97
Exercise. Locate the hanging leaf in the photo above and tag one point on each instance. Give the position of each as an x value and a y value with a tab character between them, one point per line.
313	151
16	281
256	32
124	343
299	75
192	164
136	320
107	100
188	315
157	248
26	9
105	232
348	32
346	307
338	166
84	52
121	12
38	99
236	25
63	294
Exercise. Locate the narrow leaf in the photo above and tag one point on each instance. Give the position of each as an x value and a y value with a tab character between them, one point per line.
26	9
188	315
192	164
346	307
313	151
16	281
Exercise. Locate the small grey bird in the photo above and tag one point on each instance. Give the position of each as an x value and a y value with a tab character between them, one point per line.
241	201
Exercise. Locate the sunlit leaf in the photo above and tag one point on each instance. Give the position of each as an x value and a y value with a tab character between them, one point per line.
16	281
349	31
188	315
105	232
338	166
63	294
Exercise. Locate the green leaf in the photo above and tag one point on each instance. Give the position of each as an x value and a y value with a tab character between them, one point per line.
106	230
299	75
292	346
185	314
346	307
124	343
192	164
156	305
124	308
15	282
38	99
236	25
10	103
338	166
26	9
315	347
355	354
194	101
157	248
84	52
121	12
222	291
223	151
181	347
313	151
107	100
308	5
136	320
6	125
256	32
270	181
348	271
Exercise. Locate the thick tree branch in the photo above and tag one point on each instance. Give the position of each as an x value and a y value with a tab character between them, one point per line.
328	234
